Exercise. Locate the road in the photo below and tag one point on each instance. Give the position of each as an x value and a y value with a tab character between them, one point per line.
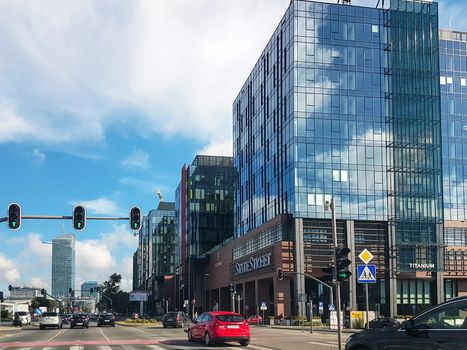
155	338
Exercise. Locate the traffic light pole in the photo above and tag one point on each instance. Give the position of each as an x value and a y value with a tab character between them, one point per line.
334	275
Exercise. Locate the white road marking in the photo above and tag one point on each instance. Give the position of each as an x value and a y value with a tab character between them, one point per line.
47	348
156	347
126	347
102	332
56	335
104	347
325	344
77	347
258	347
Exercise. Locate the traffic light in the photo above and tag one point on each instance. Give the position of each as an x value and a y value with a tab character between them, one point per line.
79	217
14	216
231	287
10	287
43	292
91	290
70	291
135	218
280	274
1	297
342	263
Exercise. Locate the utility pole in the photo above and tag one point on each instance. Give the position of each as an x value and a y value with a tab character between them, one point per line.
331	205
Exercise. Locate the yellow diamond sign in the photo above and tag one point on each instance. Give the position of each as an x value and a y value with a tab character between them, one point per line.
365	256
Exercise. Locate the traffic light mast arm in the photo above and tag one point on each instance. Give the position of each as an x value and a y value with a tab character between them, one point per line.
67	217
48	295
3	219
105	296
331	293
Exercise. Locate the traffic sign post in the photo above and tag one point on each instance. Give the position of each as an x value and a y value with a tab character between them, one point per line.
263	307
366	274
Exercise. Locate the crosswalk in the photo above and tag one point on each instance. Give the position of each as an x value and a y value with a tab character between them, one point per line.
199	346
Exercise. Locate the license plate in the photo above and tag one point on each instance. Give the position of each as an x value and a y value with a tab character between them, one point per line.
79	324
233	326
106	321
170	319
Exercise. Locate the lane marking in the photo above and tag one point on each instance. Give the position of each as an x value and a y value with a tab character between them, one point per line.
47	348
259	347
157	347
102	332
56	335
325	344
76	347
126	347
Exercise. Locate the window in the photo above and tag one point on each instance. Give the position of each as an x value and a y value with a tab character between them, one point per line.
449	80
442	80
463	82
450	316
374	28
335	175
311	199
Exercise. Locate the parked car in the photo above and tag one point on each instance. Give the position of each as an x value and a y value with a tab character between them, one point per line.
219	326
106	319
443	326
383	322
175	319
255	319
21	318
79	320
50	319
65	318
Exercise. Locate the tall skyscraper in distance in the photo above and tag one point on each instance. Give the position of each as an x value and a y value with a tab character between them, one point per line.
63	264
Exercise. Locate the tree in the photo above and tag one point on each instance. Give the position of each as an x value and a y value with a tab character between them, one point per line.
41	301
111	286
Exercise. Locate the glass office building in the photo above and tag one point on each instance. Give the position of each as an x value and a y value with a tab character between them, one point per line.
63	265
344	103
453	82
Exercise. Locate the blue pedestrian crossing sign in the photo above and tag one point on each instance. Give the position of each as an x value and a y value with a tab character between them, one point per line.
366	273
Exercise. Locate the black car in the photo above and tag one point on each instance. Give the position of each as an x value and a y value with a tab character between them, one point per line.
383	322
106	320
79	320
443	326
175	319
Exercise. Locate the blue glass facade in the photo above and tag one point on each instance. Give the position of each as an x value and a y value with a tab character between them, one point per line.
309	122
345	102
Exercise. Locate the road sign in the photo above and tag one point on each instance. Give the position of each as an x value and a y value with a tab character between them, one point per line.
263	306
365	256
331	307
366	273
38	312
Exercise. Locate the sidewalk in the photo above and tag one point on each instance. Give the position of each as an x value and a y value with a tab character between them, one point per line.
315	328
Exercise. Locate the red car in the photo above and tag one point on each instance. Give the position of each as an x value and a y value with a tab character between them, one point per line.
219	326
255	319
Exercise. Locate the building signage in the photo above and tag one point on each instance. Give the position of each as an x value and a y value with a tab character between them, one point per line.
254	263
421	266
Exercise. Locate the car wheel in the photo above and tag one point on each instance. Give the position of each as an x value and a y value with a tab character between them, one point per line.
207	339
72	326
244	343
40	327
190	338
165	326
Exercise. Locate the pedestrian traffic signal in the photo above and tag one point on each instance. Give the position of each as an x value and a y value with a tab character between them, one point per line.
280	274
43	292
342	263
79	217
14	216
135	218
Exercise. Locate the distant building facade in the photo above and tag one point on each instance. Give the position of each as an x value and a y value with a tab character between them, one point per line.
63	265
24	293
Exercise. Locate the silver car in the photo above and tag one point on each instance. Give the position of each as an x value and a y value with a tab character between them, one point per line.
50	319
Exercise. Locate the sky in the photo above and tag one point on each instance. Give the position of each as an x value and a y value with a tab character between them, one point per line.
101	104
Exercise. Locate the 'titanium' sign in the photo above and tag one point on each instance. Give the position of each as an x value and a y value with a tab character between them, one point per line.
253	263
421	266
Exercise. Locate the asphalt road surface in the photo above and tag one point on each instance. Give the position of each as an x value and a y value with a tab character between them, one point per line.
155	338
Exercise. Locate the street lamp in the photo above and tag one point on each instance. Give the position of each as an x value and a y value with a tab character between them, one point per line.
330	205
205	292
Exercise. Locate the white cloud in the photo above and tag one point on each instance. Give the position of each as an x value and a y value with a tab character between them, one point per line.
99	206
222	148
138	159
70	70
38	156
8	272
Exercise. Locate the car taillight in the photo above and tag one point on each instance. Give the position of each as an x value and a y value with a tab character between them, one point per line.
178	318
218	325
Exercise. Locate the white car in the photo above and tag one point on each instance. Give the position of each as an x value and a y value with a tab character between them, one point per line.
50	319
21	318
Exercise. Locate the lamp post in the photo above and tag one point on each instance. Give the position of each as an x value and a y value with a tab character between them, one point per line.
330	205
205	292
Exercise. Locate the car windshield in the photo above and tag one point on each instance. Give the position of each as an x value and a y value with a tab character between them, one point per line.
21	313
171	314
49	314
230	318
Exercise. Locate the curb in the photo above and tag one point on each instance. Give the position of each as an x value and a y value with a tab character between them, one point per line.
327	330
